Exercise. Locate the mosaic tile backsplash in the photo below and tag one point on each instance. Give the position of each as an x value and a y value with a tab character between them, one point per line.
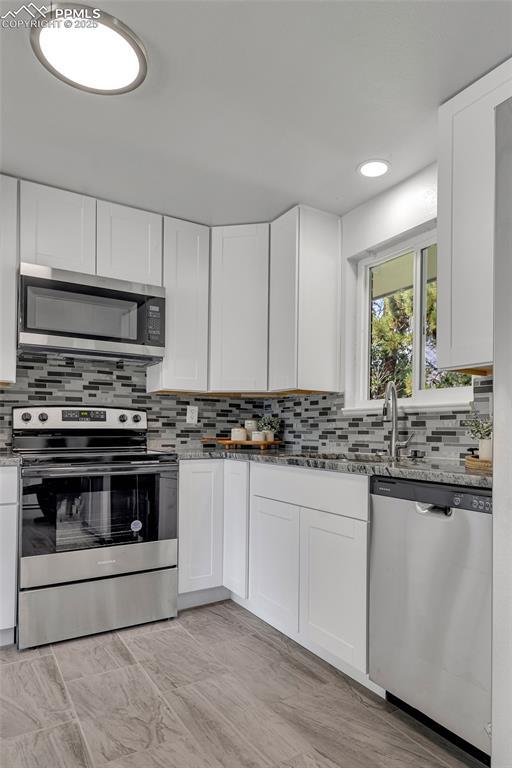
311	423
317	423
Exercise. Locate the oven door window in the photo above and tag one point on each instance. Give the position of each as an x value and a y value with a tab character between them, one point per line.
61	514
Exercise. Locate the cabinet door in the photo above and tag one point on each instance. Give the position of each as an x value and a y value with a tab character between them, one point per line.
319	324
283	302
466	221
305	290
57	228
8	278
239	308
8	562
129	244
274	562
333	602
186	271
200	532
236	526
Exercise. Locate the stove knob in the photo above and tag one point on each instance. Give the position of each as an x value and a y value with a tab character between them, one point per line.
123	417
43	417
137	417
26	416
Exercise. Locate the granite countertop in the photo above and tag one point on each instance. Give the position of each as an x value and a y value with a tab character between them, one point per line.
423	470
8	459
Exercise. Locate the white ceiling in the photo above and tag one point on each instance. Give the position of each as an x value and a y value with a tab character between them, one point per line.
250	107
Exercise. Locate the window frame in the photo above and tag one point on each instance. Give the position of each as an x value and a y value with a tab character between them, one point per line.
428	398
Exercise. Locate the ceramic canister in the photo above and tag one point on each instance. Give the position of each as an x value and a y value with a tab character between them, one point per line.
251	426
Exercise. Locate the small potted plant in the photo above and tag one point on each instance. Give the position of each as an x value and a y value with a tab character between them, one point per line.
480	428
270	425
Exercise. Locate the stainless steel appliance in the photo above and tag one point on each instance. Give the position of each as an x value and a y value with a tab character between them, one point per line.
98	538
430	602
73	312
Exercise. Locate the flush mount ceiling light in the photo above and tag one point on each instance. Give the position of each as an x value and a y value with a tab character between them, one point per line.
373	168
89	49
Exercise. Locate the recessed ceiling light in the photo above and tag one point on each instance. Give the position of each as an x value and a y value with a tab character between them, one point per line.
373	168
101	55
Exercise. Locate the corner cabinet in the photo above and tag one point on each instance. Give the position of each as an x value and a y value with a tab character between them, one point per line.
200	524
129	244
186	271
305	301
8	278
239	308
57	228
466	221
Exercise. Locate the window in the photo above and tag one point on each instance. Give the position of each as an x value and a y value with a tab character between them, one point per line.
398	328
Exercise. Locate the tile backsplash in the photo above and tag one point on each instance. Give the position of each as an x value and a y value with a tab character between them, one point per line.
317	423
58	380
311	422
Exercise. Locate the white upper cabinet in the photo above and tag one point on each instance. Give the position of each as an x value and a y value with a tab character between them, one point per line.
57	228
466	221
129	244
186	270
239	308
305	293
8	277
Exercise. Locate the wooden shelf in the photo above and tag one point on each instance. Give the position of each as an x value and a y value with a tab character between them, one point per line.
227	443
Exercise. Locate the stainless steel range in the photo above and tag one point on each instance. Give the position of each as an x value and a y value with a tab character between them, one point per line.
98	538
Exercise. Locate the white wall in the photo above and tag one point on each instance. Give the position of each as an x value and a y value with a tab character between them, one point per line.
502	492
403	208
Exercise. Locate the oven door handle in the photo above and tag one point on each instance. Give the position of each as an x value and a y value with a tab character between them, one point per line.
94	471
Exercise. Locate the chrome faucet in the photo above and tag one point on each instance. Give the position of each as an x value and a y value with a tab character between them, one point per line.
390	412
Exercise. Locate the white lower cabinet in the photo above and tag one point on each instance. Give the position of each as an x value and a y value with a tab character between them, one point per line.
200	524
274	562
333	586
236	526
8	548
308	550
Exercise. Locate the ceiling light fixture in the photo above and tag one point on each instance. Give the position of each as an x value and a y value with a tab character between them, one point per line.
373	168
89	49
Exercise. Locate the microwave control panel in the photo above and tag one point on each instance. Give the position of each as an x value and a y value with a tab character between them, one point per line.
155	322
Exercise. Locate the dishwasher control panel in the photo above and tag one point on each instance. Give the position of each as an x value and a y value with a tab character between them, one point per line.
472	501
447	496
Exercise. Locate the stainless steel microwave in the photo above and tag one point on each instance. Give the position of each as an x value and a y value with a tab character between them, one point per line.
85	314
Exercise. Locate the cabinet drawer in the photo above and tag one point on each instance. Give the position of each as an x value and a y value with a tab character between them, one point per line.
8	485
341	494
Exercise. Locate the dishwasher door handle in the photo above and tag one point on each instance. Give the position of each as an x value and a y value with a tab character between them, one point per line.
433	509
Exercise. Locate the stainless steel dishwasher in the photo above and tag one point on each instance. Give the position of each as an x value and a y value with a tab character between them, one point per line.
430	602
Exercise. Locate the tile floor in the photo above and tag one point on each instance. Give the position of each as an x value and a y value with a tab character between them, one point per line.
214	688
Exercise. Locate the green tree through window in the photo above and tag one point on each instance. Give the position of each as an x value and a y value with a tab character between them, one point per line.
393	325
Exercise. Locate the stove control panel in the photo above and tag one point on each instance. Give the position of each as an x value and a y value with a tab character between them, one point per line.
84	415
56	418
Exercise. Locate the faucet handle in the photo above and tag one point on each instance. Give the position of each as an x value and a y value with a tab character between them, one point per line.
405	443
